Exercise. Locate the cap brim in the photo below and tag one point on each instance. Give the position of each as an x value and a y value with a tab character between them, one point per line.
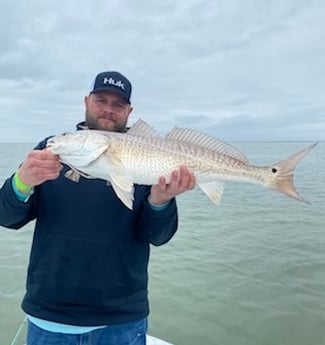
112	90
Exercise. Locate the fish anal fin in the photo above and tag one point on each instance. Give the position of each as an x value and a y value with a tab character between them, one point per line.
213	190
206	141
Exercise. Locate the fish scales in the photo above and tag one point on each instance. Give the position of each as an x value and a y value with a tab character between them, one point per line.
155	157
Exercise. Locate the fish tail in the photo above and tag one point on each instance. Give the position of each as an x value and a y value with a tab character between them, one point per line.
283	172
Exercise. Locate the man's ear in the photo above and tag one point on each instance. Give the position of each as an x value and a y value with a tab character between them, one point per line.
86	100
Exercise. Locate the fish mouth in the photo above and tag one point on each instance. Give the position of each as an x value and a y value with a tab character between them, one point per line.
50	142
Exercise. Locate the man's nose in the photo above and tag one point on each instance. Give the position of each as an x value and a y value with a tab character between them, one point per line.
108	108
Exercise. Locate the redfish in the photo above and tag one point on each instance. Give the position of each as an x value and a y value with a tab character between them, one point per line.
141	156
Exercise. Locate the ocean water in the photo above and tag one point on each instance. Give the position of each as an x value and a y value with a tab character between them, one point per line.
250	271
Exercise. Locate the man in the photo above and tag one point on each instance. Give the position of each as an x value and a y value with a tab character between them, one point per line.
87	275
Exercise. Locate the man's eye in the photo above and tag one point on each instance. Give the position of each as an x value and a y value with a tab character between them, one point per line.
119	105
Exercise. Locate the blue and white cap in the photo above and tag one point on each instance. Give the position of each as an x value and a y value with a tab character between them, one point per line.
114	82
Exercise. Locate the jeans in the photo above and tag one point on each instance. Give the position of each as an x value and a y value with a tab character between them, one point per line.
131	333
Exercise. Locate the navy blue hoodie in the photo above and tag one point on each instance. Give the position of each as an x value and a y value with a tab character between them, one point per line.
89	257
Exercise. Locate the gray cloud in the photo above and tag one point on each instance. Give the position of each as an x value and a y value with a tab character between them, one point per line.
241	70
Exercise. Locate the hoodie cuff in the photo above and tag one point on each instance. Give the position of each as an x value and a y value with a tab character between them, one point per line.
158	207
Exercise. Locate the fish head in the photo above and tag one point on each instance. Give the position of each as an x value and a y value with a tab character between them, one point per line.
78	149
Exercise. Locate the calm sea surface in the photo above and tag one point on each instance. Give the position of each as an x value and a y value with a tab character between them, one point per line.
248	272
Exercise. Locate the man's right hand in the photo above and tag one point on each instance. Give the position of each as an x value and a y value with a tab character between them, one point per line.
38	167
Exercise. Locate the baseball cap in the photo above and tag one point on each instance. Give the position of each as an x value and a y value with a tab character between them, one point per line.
112	81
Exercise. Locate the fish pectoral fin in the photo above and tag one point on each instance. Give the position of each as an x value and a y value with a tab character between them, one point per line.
72	175
213	190
124	189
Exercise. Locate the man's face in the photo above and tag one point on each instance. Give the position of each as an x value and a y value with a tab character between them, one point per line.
107	111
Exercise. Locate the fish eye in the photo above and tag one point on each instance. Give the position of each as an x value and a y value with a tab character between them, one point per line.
274	170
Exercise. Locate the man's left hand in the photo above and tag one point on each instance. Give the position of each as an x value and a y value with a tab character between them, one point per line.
182	180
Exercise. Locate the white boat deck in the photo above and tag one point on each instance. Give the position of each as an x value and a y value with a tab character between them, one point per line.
155	341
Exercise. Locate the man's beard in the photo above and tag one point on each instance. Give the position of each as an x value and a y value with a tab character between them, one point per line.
115	126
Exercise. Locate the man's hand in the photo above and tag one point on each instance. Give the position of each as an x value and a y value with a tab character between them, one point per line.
38	167
182	180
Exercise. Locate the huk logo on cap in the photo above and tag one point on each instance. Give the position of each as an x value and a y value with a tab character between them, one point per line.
111	81
114	82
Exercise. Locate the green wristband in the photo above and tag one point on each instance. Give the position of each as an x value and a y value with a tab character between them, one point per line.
20	185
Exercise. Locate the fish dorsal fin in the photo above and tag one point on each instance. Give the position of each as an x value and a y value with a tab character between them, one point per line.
143	129
206	141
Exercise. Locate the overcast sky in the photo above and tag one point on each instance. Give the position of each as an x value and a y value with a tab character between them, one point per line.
240	70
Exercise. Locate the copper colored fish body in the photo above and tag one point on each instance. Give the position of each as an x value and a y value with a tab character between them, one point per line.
141	156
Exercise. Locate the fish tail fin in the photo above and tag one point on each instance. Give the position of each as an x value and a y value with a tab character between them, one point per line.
284	172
